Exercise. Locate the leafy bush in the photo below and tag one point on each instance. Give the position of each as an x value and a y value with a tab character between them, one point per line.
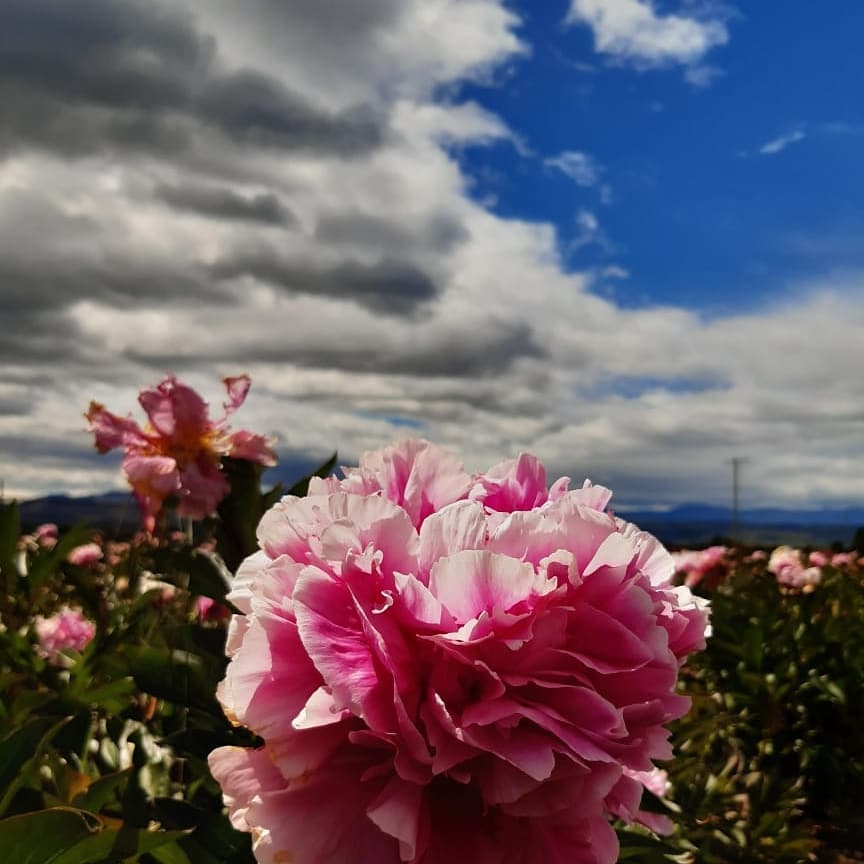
770	761
103	750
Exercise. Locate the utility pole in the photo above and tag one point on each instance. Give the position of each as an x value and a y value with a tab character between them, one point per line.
737	462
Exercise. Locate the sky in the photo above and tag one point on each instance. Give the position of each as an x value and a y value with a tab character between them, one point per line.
623	235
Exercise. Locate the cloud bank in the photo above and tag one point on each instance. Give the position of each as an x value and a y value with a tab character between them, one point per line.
204	189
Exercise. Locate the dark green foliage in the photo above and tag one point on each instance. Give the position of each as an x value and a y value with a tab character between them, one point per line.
770	761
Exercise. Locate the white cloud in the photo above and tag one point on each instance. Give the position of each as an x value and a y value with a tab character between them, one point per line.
582	168
391	292
781	142
702	75
613	271
632	31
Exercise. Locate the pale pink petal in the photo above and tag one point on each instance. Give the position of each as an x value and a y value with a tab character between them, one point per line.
153	479
252	447
331	633
517	484
111	431
176	412
397	812
204	486
413	473
469	583
237	388
455	528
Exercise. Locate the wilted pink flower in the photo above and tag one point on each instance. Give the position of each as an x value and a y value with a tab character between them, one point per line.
440	678
68	630
179	451
87	555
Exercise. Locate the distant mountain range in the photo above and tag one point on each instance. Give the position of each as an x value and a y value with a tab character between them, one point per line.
689	524
696	523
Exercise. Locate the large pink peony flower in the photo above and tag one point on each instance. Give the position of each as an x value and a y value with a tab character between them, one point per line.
446	668
178	453
68	630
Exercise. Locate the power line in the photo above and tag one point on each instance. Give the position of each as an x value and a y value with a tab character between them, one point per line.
737	462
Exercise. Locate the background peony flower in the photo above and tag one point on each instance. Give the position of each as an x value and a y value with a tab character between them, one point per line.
442	678
46	535
787	565
86	555
68	630
843	559
818	558
179	451
695	565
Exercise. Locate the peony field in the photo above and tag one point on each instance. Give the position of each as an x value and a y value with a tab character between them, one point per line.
406	663
431	432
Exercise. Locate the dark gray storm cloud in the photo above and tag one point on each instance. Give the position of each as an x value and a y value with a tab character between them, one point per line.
221	202
50	451
439	234
113	74
36	295
454	355
389	287
29	283
37	336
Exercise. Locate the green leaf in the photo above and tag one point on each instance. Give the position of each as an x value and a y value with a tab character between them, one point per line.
178	676
19	749
102	791
208	576
10	531
198	572
41	837
171	853
66	836
46	562
240	511
112	697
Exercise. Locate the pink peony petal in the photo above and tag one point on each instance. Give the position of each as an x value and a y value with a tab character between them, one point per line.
252	447
204	486
470	583
237	388
111	431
